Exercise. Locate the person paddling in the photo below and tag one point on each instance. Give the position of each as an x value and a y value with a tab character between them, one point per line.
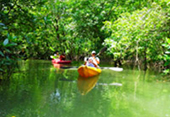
62	56
55	56
93	61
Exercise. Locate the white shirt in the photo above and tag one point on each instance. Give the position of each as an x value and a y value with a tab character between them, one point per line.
94	61
90	64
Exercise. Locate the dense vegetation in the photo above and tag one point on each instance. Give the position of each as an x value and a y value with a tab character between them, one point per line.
136	30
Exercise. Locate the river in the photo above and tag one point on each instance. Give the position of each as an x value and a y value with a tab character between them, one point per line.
42	90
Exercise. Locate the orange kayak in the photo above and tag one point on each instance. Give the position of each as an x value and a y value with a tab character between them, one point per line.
87	71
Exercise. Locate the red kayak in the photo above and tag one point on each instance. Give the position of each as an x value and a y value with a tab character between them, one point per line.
58	61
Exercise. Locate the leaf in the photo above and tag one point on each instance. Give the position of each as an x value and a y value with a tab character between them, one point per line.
7	50
168	47
5	28
166	63
1	69
1	54
168	40
7	58
9	36
164	44
52	49
6	41
2	24
166	71
11	44
167	52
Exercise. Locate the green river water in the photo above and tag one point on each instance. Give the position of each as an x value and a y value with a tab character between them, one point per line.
40	90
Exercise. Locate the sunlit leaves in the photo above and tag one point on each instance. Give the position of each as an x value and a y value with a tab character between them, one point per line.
5	42
38	28
1	53
139	30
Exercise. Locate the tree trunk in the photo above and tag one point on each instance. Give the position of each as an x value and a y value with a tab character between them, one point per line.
145	59
137	58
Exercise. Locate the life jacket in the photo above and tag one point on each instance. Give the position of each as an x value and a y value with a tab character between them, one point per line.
90	64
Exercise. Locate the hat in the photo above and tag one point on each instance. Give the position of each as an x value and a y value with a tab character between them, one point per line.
93	52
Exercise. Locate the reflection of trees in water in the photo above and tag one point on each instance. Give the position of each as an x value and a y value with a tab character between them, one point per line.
55	96
41	92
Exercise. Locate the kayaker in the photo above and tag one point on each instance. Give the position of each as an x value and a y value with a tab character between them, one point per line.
91	63
56	55
63	56
94	59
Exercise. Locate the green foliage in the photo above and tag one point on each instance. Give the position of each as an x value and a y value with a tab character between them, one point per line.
37	28
16	23
7	55
142	32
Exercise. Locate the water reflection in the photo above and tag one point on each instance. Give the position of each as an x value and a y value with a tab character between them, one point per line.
86	84
63	66
40	91
58	66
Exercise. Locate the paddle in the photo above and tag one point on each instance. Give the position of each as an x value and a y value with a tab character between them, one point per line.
101	51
